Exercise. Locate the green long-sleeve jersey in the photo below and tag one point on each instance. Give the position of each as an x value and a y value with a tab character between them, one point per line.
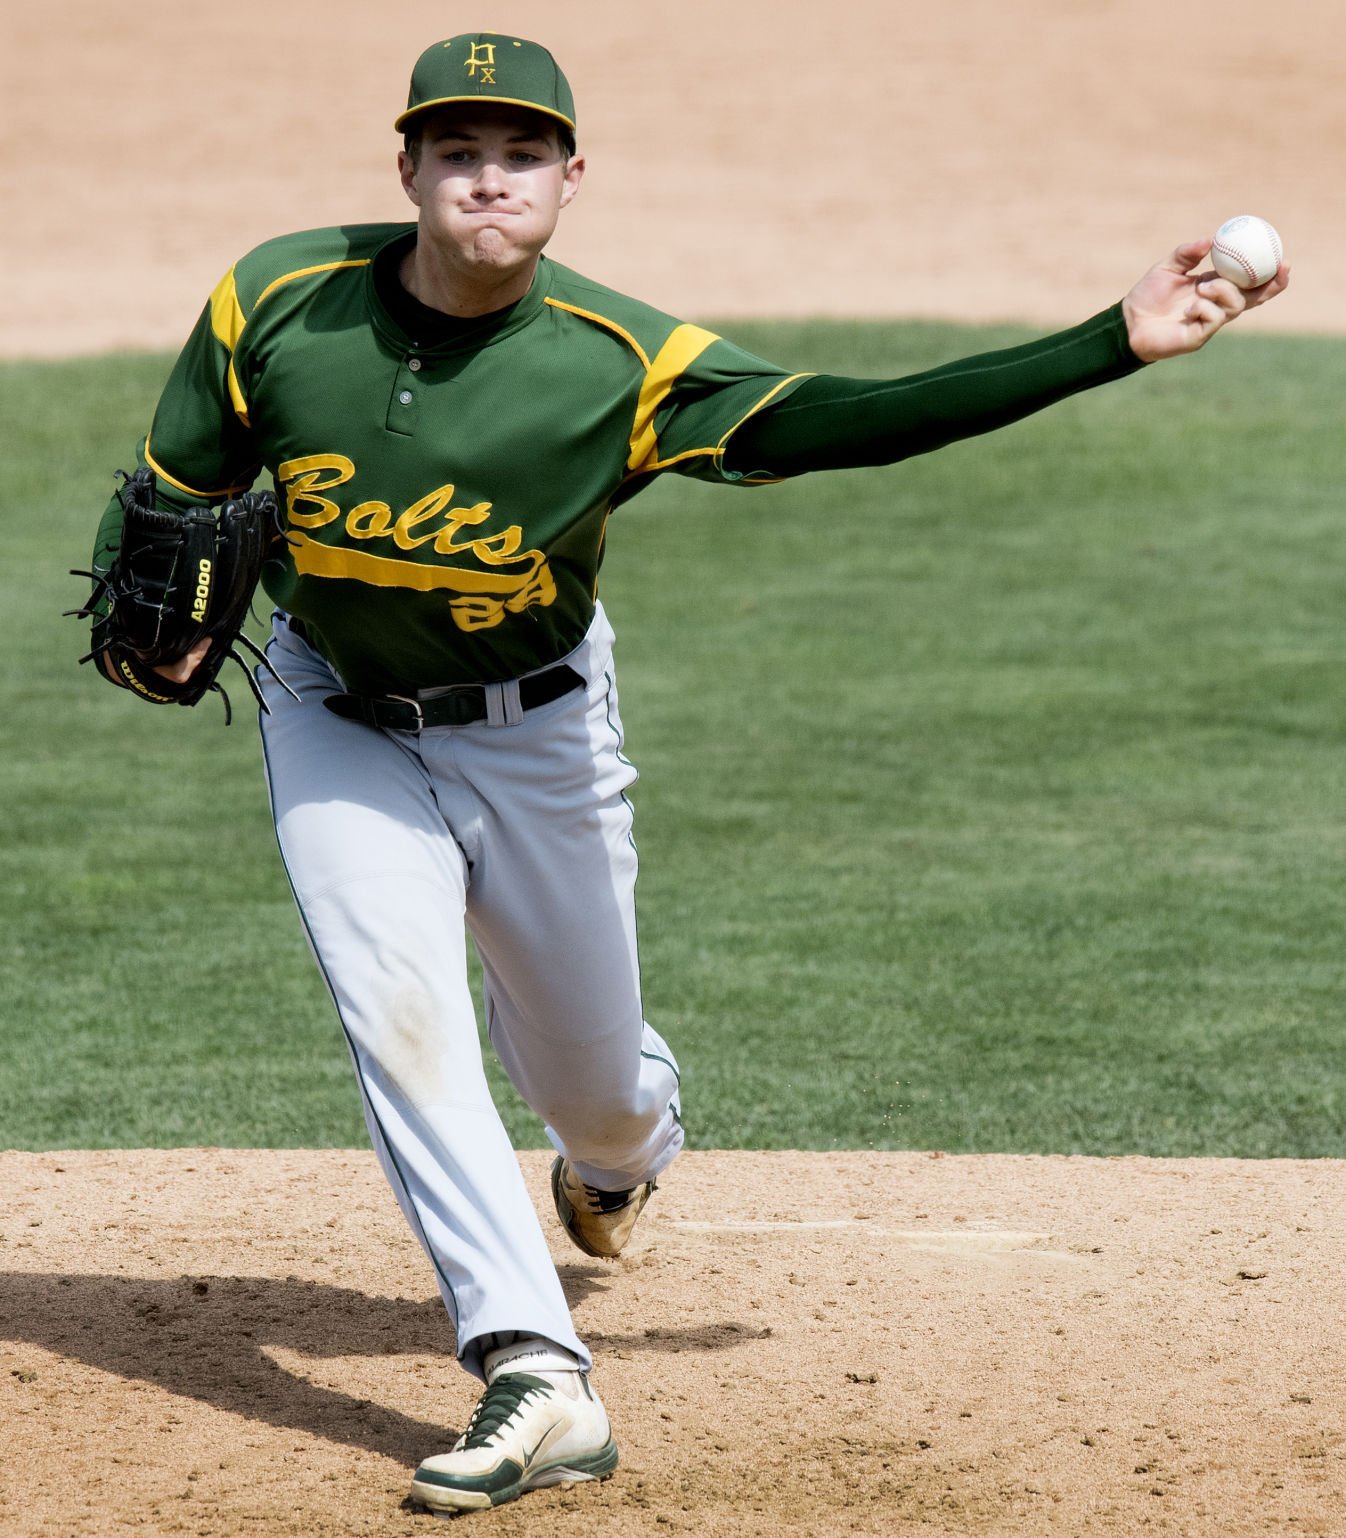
445	488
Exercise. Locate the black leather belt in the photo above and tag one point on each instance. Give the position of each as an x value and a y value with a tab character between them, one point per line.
457	706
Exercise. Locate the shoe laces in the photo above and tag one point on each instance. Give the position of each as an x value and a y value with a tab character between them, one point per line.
497	1405
606	1201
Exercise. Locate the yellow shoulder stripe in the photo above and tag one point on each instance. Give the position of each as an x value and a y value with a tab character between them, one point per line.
683	347
226	313
306	272
602	320
714	451
227	319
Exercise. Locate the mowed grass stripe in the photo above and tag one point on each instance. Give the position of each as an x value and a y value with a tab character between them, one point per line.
988	802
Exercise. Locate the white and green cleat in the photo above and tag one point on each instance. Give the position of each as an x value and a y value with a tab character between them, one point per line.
526	1433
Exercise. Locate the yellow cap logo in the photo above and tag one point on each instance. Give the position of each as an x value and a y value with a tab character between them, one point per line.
482	58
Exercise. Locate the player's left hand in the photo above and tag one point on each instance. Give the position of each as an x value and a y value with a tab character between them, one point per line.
1175	309
180	672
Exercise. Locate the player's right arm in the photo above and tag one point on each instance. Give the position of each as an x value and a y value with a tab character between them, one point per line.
199	444
200	441
832	423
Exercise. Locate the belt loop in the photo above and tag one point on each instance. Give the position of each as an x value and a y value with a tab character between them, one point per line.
503	706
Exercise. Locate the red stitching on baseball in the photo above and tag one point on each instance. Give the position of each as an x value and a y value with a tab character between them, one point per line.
1242	261
1238	256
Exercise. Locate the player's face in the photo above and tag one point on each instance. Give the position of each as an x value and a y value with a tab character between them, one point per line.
490	185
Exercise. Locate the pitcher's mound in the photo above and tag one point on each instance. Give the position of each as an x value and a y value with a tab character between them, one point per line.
215	1342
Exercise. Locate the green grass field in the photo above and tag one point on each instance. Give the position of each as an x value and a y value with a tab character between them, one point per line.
996	801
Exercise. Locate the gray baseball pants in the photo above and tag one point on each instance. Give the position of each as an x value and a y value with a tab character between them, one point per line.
397	846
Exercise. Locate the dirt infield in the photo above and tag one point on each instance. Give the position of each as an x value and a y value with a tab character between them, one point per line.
218	1343
972	159
208	1342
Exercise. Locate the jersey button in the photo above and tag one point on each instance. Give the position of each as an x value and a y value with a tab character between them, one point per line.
414	364
405	397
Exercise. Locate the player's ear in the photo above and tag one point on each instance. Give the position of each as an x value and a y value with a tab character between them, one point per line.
574	175
406	170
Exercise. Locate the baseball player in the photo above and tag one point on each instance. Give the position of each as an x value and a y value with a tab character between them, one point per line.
449	420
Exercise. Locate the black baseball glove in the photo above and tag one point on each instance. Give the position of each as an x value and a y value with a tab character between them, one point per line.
179	578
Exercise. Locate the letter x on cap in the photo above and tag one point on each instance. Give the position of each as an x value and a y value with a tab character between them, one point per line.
488	66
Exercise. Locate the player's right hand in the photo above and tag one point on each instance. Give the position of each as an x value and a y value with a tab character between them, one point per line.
1175	309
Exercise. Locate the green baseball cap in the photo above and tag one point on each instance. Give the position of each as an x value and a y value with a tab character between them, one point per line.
489	66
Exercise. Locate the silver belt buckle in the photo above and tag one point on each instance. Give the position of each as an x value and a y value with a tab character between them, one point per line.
410	699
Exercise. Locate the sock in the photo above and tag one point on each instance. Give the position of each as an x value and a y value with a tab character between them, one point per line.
528	1353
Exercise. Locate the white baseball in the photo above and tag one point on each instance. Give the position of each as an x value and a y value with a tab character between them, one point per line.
1247	251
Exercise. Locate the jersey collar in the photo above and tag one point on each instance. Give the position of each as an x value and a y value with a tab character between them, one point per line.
404	324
